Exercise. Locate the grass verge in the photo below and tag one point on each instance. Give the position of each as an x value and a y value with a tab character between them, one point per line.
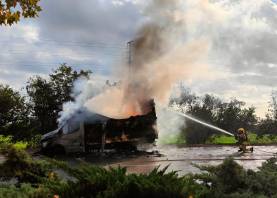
253	138
172	139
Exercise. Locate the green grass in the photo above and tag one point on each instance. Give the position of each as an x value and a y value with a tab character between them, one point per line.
172	139
265	139
253	138
221	139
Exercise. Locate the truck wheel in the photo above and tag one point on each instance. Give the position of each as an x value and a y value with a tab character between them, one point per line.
56	150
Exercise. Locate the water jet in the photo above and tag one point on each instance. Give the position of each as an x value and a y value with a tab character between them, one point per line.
199	121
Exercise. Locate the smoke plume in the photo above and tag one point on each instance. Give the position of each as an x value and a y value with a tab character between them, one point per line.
161	54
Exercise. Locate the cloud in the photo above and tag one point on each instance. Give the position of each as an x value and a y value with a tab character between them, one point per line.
87	21
87	34
242	56
242	59
247	39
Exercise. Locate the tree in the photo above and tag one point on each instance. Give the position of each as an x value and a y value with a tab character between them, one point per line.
234	115
62	80
186	100
205	110
12	10
47	96
212	110
43	102
272	111
13	112
268	125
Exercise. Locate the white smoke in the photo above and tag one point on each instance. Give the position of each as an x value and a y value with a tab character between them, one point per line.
176	43
169	124
162	55
83	90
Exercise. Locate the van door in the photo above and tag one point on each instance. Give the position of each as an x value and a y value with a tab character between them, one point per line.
72	137
93	136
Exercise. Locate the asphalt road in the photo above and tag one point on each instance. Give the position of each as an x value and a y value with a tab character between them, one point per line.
181	158
178	158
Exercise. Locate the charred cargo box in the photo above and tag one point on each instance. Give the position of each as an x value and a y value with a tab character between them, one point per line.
100	132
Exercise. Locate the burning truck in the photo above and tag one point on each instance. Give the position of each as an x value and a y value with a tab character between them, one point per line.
97	132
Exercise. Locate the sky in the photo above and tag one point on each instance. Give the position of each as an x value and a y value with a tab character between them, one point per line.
93	34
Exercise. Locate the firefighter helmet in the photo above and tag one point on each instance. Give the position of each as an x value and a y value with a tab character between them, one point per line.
241	130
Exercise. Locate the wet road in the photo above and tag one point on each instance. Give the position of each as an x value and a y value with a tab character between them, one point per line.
181	158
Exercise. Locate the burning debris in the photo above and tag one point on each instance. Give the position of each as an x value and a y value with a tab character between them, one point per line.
97	132
122	133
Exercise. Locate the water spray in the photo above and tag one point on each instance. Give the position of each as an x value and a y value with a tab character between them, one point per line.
200	122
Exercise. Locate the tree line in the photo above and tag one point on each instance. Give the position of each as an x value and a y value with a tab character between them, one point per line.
37	111
229	115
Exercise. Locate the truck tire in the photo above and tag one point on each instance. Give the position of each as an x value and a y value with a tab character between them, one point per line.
53	150
58	150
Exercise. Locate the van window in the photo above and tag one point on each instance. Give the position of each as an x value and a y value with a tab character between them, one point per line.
65	129
71	127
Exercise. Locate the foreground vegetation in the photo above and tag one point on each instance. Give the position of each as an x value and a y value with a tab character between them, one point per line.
21	145
22	176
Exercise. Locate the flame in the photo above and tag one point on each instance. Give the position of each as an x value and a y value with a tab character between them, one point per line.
124	138
113	103
131	110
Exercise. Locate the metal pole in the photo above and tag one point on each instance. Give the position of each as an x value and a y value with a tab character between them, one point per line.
103	138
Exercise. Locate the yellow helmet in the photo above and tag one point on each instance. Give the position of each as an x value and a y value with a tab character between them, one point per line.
241	130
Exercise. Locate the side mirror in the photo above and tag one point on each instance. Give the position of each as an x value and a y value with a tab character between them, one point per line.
60	131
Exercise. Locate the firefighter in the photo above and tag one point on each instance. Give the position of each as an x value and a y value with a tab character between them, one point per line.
242	139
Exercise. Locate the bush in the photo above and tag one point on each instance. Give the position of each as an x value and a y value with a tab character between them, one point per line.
86	181
37	178
35	141
230	180
22	191
21	145
41	179
20	166
4	140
